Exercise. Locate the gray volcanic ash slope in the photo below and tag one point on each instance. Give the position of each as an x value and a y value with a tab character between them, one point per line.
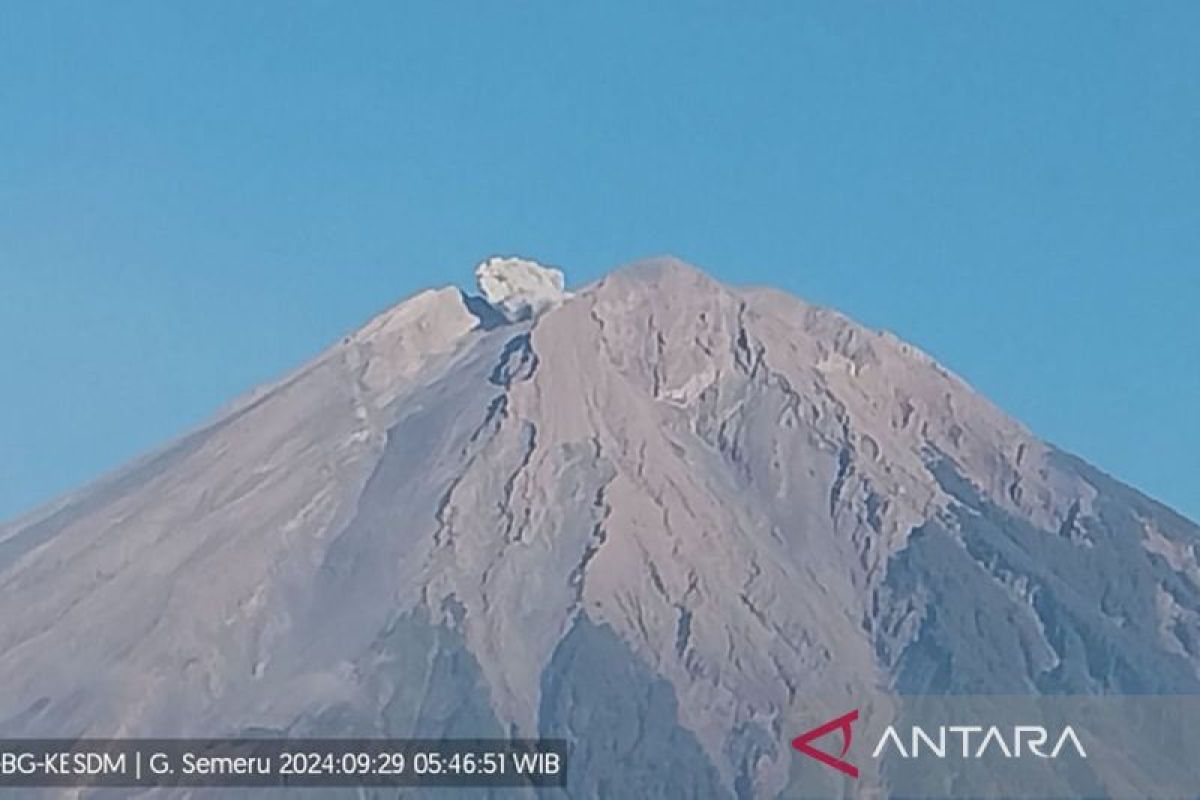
661	517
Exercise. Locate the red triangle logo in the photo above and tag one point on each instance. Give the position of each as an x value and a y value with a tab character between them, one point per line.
842	723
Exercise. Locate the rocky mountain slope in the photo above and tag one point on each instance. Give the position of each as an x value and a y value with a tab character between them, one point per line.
670	520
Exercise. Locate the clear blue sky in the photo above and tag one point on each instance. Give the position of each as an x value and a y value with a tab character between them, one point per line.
195	197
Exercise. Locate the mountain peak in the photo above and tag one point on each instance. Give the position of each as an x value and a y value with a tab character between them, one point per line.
706	508
663	269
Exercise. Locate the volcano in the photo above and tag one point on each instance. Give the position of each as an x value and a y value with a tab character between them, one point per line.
671	521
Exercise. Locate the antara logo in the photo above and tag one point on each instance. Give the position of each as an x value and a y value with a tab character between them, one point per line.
1012	743
974	741
842	723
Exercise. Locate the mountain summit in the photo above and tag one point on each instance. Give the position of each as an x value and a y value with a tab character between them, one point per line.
661	517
